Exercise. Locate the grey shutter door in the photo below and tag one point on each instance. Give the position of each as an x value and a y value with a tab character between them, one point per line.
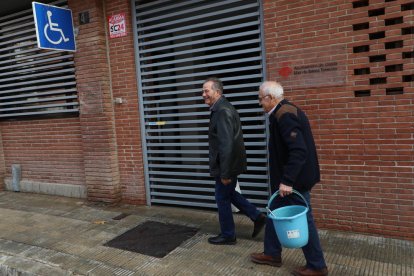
33	81
178	45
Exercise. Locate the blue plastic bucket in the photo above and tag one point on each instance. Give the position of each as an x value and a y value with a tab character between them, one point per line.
290	222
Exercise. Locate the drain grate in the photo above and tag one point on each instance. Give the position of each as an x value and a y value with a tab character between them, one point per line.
153	238
121	216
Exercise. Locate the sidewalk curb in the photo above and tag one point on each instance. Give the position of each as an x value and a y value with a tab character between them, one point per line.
12	265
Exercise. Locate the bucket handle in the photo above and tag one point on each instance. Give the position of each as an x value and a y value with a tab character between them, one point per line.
277	193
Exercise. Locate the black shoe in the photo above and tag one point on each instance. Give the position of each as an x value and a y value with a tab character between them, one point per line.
222	240
258	225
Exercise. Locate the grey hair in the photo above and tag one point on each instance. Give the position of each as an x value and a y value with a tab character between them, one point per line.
217	84
272	88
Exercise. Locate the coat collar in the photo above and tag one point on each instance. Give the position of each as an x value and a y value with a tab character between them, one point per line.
272	116
217	104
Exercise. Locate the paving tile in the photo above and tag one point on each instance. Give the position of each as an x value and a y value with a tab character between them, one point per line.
46	235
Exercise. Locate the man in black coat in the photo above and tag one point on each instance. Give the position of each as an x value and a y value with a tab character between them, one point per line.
293	164
227	160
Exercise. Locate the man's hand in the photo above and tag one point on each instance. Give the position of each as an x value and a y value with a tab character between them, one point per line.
284	190
226	181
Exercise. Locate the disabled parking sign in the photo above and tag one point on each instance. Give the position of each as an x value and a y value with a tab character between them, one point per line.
54	27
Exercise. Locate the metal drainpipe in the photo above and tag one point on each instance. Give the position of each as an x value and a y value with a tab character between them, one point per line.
16	176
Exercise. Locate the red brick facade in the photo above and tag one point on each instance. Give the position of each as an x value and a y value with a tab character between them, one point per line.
95	150
96	114
48	150
343	62
365	144
2	164
127	120
105	70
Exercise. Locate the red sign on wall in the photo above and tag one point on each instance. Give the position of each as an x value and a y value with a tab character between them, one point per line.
117	26
312	67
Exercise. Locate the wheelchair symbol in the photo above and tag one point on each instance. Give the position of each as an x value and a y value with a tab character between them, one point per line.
54	28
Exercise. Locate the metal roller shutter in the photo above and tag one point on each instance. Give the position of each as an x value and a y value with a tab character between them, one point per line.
178	45
33	81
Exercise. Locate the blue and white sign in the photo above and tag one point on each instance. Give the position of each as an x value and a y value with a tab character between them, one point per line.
54	27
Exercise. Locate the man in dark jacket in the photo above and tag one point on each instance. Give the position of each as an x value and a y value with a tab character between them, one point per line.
293	164
227	157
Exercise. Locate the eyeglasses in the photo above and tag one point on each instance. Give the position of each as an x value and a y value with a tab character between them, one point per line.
262	98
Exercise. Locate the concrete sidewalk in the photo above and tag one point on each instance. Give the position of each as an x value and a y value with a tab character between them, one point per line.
53	236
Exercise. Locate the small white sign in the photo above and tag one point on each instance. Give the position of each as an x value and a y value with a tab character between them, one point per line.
117	26
293	234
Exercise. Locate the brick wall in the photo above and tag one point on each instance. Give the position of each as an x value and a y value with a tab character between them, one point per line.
102	148
96	104
48	151
349	65
127	120
2	163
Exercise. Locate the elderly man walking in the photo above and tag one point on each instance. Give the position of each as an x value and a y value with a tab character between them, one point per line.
293	164
227	157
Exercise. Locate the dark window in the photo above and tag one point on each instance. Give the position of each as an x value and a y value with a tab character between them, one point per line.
394	68
394	21
362	71
394	90
359	4
33	82
376	12
407	7
377	58
362	93
394	44
408	30
408	78
377	35
374	81
361	49
360	26
408	54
